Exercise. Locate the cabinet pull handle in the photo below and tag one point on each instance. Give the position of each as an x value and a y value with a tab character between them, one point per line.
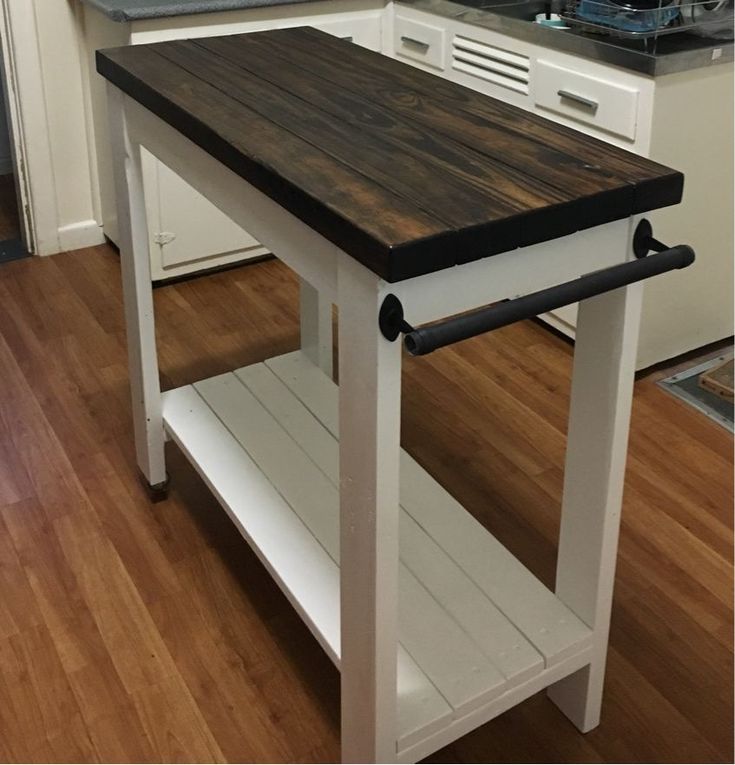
414	41
349	38
581	100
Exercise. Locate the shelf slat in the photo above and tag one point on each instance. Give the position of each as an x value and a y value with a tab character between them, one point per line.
451	660
474	624
509	651
534	610
309	579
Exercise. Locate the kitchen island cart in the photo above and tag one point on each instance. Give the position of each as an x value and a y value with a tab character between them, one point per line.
415	206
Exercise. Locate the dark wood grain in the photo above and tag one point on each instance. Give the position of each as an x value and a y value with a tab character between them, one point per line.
406	172
655	185
489	167
132	632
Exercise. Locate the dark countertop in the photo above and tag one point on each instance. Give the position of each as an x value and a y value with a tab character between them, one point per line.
673	53
403	171
136	10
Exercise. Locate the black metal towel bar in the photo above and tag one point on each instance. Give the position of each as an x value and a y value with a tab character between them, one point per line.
424	340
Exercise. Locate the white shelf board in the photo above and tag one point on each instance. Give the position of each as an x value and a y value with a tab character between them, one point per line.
474	623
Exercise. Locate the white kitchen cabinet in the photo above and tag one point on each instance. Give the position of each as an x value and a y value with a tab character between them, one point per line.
683	120
187	233
602	104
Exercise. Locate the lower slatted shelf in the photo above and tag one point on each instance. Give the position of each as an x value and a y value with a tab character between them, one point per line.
474	623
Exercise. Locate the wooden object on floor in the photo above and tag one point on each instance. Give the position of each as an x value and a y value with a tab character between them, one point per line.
174	100
719	380
405	172
133	633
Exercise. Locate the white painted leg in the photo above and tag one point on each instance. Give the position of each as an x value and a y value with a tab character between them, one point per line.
138	296
316	327
369	411
602	389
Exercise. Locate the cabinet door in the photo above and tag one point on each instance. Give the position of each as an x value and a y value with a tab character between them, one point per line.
187	232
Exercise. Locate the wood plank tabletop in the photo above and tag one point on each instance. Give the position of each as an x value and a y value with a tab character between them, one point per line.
405	171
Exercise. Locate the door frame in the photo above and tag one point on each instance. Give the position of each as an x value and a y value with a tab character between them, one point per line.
28	126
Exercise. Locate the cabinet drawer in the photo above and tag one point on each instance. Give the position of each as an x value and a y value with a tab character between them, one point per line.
418	41
606	105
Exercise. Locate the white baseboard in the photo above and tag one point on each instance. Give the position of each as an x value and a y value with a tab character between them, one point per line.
85	233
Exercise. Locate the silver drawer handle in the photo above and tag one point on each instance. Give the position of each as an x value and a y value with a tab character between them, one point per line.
414	41
581	100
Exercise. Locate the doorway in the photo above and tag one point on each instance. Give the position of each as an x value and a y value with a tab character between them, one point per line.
11	237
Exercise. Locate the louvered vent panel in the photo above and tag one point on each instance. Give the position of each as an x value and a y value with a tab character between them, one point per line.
496	65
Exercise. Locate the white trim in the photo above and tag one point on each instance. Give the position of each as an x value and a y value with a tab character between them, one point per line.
94	174
86	233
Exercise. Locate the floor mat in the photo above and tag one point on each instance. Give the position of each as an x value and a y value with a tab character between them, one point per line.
12	249
685	385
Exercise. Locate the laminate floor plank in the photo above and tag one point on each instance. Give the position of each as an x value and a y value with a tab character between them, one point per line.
18	608
150	633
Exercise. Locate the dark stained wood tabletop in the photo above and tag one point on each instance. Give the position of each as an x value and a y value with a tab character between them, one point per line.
406	172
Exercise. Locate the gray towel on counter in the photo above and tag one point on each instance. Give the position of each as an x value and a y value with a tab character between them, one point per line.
135	10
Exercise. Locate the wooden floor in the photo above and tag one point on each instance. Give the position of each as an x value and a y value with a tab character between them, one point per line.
133	632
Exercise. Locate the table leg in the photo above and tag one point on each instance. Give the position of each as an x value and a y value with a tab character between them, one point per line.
316	327
138	296
602	389
369	412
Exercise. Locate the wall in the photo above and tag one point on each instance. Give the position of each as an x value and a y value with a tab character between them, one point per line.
692	132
